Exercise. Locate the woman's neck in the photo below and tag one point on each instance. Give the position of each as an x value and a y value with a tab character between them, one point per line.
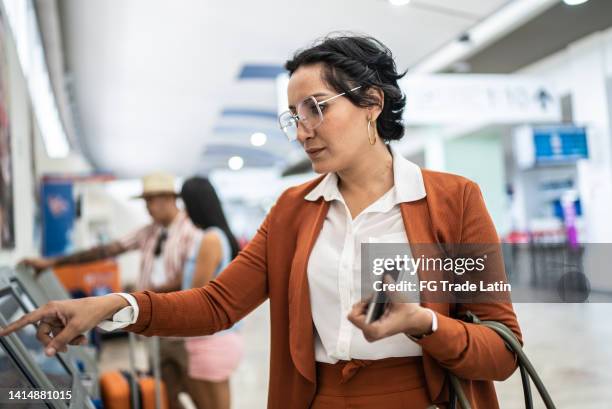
371	176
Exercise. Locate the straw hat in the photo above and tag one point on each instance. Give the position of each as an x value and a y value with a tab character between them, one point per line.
158	183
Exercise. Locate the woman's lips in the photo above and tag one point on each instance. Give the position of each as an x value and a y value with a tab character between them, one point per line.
314	152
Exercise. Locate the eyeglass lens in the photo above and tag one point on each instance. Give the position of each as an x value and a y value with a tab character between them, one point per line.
308	113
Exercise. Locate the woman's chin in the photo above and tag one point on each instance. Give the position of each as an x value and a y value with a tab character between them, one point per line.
320	167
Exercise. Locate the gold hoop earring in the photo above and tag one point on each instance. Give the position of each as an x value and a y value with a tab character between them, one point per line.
371	138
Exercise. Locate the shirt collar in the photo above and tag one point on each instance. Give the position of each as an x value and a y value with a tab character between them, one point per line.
327	188
407	176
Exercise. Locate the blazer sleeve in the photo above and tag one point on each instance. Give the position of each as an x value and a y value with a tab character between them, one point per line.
472	351
235	292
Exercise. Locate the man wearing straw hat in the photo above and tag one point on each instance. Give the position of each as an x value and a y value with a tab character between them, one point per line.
164	244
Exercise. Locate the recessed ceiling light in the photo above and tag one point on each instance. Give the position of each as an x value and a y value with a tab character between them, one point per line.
258	139
399	2
574	2
235	163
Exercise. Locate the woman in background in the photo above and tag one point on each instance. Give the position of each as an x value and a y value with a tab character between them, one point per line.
211	359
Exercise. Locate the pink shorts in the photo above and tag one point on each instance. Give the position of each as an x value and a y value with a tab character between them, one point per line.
215	357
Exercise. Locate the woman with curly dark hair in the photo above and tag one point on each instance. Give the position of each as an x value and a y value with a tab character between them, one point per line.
345	107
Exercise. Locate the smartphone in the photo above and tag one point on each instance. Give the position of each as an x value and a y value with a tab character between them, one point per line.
376	307
379	302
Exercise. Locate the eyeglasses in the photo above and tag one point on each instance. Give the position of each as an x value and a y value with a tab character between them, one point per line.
308	112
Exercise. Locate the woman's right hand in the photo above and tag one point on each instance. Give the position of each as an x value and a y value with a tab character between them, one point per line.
62	323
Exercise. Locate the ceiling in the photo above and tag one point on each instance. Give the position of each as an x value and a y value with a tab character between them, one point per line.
181	85
546	34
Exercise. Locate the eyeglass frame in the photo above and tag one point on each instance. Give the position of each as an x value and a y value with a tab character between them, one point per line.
318	104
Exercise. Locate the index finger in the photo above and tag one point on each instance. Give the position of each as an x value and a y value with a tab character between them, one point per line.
30	318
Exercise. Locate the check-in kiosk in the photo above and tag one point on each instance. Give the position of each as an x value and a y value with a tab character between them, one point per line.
37	291
27	365
13	376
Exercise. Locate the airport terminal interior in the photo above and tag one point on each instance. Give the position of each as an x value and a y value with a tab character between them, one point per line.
133	133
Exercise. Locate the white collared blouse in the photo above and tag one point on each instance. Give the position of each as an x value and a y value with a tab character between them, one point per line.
334	266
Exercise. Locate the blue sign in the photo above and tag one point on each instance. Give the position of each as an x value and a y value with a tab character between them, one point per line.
58	218
560	144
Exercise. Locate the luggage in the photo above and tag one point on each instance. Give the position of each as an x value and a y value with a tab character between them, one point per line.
115	390
127	390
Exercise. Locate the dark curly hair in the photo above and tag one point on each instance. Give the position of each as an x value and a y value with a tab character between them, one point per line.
352	60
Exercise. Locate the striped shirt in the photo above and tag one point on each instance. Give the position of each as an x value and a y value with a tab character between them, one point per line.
181	236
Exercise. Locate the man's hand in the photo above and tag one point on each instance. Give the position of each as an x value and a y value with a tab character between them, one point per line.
400	317
62	323
85	256
38	264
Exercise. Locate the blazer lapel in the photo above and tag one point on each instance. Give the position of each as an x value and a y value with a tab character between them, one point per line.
423	243
422	239
301	331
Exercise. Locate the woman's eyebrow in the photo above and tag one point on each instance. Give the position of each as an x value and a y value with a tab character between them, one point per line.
318	94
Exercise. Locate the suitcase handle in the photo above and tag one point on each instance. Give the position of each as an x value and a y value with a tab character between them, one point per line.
133	375
155	359
156	364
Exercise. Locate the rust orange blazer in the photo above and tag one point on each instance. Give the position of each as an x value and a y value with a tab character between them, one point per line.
273	266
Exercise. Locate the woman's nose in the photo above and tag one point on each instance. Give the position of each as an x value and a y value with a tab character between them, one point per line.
303	133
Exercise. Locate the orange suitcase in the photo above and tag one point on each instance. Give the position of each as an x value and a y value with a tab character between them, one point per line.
147	393
115	391
119	391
